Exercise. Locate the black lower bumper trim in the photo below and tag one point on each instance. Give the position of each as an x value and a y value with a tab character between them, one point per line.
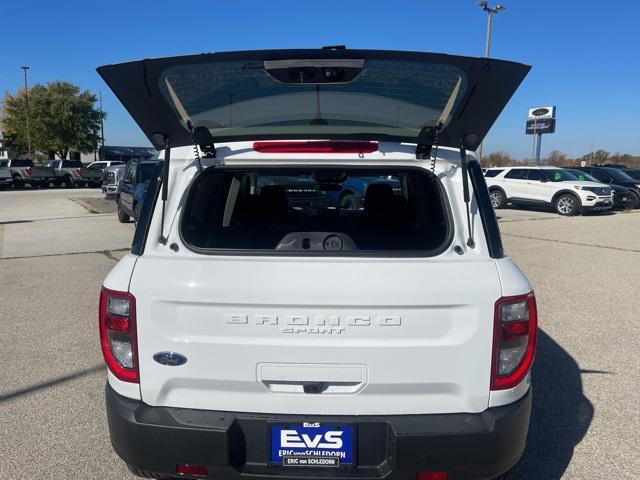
235	445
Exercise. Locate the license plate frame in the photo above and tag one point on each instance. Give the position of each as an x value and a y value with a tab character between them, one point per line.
306	444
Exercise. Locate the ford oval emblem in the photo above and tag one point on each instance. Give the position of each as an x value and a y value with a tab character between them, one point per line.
171	359
539	112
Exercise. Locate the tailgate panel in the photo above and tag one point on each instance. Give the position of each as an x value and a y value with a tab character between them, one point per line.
321	336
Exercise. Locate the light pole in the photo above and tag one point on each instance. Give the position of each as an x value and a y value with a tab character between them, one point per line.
26	101
491	11
101	152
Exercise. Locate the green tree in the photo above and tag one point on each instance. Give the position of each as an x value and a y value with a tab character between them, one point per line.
62	118
499	159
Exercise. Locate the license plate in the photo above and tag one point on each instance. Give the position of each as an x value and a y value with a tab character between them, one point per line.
607	202
312	445
624	199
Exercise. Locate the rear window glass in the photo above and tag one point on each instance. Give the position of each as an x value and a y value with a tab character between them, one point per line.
517	174
492	173
395	96
21	163
317	211
71	164
146	172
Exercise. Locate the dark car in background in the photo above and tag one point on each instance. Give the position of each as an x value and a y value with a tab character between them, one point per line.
621	195
617	176
633	172
133	187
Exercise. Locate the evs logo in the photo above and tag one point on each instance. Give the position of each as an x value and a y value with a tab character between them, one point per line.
292	439
312	441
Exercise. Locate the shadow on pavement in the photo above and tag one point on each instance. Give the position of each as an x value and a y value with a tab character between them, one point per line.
561	413
51	383
11	222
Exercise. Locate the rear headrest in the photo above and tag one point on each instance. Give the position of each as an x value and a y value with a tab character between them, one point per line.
379	198
274	200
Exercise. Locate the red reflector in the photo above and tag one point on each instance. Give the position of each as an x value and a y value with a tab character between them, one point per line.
116	323
78	170
28	171
315	147
514	330
432	476
185	469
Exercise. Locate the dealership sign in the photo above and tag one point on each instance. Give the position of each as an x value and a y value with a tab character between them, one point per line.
544	125
542	112
541	120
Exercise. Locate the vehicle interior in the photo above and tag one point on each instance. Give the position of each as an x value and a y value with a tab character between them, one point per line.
305	211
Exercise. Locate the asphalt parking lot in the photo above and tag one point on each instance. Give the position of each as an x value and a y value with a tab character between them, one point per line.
56	246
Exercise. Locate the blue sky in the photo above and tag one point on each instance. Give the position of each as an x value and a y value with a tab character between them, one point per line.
584	53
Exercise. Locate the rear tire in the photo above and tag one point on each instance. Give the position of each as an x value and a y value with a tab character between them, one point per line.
69	182
498	198
122	216
634	200
567	205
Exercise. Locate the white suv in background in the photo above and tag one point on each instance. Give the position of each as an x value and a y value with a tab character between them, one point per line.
546	186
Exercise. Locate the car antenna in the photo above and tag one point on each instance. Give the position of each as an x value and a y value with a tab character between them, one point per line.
163	140
196	150
201	137
464	162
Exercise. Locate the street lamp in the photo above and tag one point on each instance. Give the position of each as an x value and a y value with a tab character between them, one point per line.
26	101
491	11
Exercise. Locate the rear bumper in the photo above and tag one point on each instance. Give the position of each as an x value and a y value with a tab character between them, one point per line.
235	445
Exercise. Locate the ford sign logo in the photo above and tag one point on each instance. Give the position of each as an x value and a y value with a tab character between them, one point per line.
538	112
171	359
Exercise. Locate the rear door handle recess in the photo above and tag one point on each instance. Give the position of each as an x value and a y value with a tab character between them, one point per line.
325	379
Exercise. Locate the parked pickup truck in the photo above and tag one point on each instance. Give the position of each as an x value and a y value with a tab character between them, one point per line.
66	172
6	180
92	175
23	172
111	179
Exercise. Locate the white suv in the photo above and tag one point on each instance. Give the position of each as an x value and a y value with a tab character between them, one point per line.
263	327
547	187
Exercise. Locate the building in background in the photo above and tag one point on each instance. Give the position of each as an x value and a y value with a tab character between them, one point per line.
4	153
124	154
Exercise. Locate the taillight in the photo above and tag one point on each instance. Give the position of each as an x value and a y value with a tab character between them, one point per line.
118	339
78	170
316	147
514	343
28	171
